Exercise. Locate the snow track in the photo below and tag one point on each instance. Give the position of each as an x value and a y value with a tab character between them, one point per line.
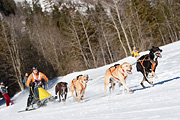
160	101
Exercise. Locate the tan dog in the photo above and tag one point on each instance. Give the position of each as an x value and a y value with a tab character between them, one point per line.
118	73
79	85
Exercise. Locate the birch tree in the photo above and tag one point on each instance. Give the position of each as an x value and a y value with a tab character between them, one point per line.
13	48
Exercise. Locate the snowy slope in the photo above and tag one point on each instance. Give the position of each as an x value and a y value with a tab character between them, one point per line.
158	102
47	5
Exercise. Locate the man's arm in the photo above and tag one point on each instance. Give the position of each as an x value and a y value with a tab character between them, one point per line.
29	79
44	77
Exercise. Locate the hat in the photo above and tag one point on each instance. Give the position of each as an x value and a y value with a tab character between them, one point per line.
34	67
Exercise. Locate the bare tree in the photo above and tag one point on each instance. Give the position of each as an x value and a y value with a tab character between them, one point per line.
88	40
122	26
75	34
119	35
107	44
13	48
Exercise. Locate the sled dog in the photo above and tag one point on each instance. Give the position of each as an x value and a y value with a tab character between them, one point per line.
79	85
61	87
118	73
147	64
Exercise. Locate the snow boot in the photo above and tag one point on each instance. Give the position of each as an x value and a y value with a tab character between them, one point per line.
12	103
27	108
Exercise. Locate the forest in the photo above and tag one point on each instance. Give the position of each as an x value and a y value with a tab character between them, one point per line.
66	37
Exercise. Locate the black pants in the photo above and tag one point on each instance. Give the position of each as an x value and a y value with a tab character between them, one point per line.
30	98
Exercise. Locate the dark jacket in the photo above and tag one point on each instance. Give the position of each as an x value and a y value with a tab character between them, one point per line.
3	89
25	79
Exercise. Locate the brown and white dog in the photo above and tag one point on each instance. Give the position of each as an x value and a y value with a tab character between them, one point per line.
79	85
118	73
61	87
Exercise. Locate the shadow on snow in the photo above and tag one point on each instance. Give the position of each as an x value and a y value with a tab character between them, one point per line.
158	83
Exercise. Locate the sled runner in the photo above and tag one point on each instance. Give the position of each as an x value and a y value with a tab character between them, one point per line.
27	110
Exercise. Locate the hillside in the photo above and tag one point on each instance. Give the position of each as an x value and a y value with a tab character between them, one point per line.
48	5
158	102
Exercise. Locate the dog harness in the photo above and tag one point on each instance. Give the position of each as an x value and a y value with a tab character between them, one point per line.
153	65
80	84
152	62
73	81
83	87
114	70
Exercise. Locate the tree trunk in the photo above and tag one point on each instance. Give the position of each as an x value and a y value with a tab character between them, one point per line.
79	43
102	51
53	46
107	44
131	34
169	27
138	26
14	54
119	36
88	40
160	32
120	22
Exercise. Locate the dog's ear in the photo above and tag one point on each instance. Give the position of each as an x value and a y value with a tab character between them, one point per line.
79	76
152	49
160	49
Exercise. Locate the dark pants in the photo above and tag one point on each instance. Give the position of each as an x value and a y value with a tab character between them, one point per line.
43	83
30	98
31	92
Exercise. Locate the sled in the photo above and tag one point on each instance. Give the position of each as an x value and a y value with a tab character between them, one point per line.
41	96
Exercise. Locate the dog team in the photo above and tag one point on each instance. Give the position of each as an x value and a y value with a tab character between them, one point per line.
146	64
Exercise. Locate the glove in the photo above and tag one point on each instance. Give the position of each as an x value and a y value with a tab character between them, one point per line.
39	83
43	82
31	84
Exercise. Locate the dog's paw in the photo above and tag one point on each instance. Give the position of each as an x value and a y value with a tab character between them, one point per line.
130	91
150	82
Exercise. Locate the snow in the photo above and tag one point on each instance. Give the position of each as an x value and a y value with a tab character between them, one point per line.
160	101
47	5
